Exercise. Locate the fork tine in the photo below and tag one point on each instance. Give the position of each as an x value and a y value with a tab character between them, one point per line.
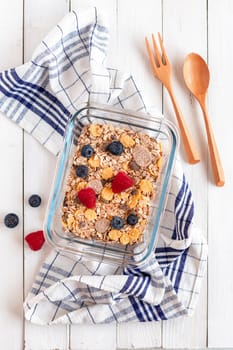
151	57
165	58
156	50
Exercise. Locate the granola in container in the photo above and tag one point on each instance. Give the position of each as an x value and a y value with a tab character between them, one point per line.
111	184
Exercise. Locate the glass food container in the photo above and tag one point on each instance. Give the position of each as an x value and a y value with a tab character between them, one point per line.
112	252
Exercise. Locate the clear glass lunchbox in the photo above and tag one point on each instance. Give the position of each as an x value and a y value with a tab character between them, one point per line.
112	252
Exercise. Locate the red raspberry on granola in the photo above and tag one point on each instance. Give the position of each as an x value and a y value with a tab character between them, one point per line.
121	182
87	197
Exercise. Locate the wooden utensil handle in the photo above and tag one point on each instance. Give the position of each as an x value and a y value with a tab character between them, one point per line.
189	145
216	163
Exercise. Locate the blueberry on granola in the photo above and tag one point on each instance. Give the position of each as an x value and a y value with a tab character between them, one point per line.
117	222
132	219
87	151
81	171
116	148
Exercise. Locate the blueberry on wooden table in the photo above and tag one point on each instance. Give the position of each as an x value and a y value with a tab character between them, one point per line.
11	220
34	200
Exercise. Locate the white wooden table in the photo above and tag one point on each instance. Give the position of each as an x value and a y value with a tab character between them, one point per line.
200	26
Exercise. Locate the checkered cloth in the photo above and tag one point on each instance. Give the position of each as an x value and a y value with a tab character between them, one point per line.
66	70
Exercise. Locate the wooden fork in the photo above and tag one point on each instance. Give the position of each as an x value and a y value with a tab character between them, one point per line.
162	71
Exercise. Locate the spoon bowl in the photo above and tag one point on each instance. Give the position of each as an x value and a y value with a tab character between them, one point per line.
197	76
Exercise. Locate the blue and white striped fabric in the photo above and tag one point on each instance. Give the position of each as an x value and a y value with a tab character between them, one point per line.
67	70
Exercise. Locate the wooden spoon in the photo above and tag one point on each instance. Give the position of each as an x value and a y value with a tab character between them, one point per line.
197	77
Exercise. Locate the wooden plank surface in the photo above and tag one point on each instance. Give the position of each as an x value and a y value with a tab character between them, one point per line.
181	39
220	223
39	18
11	154
188	25
132	58
103	337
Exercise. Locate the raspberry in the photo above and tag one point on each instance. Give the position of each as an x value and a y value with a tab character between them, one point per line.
87	197
121	182
35	240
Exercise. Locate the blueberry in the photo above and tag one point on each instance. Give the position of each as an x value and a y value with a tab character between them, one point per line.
132	219
116	148
87	151
81	171
117	222
11	220
34	200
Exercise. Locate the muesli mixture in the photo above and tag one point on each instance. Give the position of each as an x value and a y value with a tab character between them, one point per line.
111	184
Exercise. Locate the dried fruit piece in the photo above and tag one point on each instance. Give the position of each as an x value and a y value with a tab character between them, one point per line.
102	225
141	156
125	166
124	195
121	182
78	212
124	239
90	214
35	240
134	234
127	141
107	173
81	185
161	147
87	197
159	163
107	194
70	221
95	130
145	186
133	201
94	162
96	185
114	235
133	165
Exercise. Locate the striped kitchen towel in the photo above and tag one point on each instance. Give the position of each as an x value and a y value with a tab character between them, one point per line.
66	70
